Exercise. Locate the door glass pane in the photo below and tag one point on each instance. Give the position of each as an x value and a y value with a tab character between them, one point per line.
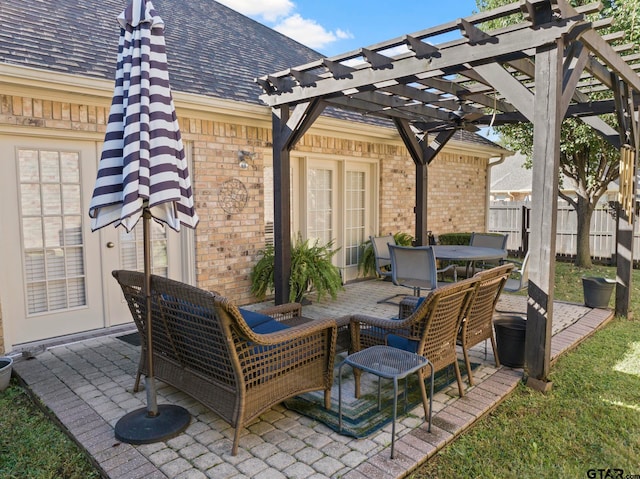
53	246
132	249
51	199
319	205
354	215
30	199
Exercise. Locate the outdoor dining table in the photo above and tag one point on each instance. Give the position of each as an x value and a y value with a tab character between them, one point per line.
469	254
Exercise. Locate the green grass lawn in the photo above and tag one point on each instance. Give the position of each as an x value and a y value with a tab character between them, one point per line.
32	446
590	419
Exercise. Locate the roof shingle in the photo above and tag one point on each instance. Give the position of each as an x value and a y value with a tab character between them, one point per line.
212	50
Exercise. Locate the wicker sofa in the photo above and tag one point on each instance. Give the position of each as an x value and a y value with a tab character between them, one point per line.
236	362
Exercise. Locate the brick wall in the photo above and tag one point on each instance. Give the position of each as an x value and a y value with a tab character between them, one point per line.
227	244
457	193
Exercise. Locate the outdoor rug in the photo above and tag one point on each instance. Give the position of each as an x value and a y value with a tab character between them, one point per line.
132	338
360	417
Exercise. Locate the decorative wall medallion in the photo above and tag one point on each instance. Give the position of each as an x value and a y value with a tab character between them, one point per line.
233	196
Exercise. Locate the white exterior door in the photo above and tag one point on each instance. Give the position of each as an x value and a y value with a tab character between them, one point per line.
51	282
55	274
122	250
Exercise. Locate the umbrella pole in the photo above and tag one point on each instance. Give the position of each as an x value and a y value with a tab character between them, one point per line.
149	380
153	423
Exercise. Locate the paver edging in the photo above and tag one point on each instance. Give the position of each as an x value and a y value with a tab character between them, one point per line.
69	429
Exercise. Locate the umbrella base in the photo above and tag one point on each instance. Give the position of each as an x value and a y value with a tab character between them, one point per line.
137	427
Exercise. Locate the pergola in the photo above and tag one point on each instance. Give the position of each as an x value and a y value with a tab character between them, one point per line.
541	70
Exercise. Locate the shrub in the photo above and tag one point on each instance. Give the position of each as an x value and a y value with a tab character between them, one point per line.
311	269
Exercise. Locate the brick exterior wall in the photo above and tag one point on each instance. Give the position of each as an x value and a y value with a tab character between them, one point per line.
457	193
227	244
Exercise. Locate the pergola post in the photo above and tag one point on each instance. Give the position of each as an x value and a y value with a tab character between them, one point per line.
422	189
542	246
282	205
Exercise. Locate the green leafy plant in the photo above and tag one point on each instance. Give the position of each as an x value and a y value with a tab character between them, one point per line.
454	238
367	261
312	269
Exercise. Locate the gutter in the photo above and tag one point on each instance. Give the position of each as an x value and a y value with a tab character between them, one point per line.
490	165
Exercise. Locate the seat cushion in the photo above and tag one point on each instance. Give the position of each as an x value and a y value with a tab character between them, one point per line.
419	302
261	323
402	343
269	327
253	318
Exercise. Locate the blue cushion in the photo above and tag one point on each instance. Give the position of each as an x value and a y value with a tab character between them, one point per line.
254	318
269	327
261	323
402	343
419	302
186	306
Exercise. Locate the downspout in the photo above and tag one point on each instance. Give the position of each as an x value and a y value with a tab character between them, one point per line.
490	165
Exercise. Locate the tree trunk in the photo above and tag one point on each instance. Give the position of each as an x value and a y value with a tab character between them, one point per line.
584	211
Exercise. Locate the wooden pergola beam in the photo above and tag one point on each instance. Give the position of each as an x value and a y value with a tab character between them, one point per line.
540	71
512	43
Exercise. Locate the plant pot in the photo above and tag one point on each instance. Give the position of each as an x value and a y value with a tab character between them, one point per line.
6	365
510	338
597	291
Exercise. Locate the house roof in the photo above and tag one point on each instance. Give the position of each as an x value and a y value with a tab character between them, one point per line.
512	176
212	50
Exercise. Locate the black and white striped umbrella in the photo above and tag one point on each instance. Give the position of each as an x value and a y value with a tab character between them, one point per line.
143	173
143	162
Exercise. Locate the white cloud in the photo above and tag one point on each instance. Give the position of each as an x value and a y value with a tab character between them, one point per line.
269	10
278	14
309	32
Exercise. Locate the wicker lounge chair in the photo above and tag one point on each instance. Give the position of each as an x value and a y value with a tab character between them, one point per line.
430	330
237	363
477	325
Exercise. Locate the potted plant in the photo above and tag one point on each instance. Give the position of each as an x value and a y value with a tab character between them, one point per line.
6	365
311	269
367	261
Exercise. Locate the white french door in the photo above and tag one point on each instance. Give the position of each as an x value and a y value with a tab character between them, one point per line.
322	199
50	286
339	206
55	274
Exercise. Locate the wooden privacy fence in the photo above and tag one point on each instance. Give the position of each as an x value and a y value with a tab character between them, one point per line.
512	217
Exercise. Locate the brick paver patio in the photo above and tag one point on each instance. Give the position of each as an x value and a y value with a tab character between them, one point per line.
88	385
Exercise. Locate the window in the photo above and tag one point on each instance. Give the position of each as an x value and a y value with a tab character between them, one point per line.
51	220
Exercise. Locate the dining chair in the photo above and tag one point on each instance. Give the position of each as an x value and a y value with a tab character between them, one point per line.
415	268
519	278
430	330
488	240
477	325
382	258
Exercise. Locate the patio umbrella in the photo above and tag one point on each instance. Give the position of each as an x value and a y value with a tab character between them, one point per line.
143	174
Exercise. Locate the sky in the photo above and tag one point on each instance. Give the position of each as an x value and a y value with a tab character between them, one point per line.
333	27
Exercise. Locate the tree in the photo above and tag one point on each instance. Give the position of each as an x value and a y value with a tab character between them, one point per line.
585	156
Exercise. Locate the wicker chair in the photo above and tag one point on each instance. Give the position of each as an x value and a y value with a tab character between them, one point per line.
430	330
203	346
477	326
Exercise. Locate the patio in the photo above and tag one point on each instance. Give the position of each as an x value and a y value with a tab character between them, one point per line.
87	385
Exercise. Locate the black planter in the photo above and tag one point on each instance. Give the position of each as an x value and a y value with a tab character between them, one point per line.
597	291
510	337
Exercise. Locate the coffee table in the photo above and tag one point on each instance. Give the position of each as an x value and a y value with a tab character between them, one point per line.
389	363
